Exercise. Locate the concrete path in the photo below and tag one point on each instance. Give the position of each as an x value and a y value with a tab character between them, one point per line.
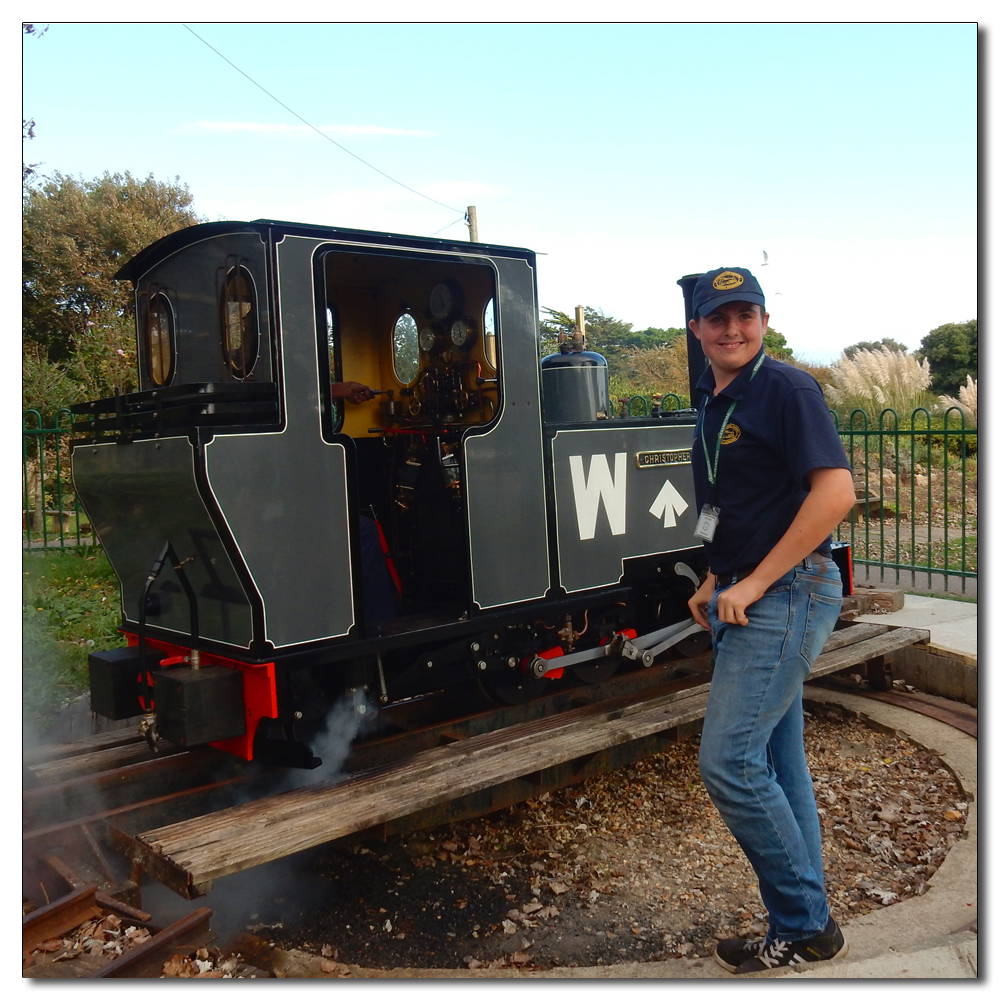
954	625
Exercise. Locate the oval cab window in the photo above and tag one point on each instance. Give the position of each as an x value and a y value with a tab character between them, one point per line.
160	339
240	334
405	349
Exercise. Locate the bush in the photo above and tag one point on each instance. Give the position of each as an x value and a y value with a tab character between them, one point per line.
70	606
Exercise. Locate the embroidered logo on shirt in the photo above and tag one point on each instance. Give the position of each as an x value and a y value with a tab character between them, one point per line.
727	280
730	434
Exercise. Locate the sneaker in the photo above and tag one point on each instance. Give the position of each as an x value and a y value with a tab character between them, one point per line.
733	952
777	954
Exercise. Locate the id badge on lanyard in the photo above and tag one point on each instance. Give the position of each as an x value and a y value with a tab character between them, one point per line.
708	521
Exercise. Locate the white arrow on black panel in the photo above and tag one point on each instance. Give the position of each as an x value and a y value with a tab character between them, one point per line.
668	504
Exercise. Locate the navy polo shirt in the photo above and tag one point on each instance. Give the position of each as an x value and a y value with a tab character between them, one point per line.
779	432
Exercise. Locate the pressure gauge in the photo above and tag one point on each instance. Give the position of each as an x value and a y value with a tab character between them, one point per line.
427	339
446	300
461	333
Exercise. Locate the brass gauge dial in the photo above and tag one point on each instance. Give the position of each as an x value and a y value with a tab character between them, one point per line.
427	339
461	333
446	300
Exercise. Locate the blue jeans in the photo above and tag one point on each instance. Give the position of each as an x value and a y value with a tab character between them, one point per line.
752	757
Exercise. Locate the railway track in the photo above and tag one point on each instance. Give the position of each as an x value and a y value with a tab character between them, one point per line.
105	812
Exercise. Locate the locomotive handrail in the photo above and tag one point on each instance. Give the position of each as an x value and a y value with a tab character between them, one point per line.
171	395
193	404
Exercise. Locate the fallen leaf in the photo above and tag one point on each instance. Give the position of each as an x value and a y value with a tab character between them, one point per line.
558	887
509	927
179	966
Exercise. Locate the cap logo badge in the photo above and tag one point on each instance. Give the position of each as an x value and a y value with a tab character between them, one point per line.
727	280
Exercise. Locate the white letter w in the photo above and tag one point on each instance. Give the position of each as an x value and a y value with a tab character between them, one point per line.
589	492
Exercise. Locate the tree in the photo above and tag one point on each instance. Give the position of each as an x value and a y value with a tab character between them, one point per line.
953	353
28	124
776	346
875	345
76	234
607	335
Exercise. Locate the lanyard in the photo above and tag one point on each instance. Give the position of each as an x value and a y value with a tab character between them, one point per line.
713	468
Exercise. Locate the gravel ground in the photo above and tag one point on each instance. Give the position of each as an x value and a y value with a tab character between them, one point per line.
633	866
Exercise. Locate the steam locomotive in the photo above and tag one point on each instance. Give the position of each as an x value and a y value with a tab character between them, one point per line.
485	516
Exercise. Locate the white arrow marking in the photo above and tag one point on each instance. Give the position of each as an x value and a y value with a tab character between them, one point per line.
667	504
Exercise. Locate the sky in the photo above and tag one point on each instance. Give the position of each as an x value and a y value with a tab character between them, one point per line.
626	155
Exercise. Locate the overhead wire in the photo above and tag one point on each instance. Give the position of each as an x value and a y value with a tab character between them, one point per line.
464	217
320	132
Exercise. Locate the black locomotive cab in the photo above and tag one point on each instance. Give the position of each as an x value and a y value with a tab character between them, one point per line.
266	529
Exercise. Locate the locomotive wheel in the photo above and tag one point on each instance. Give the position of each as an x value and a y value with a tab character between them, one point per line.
509	687
694	645
596	671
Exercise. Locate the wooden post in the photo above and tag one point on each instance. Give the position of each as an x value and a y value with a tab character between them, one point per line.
473	223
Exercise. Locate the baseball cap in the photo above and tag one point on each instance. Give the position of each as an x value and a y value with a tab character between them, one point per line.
725	284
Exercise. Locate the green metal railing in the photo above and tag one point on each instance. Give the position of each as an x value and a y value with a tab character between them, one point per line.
915	521
916	512
640	406
51	514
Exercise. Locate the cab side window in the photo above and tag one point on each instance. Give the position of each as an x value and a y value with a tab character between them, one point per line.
160	345
240	328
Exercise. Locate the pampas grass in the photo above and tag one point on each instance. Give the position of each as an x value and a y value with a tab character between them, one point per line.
967	401
874	381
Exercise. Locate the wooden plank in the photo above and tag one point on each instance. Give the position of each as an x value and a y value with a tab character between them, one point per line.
244	836
50	772
854	633
858	652
84	745
234	839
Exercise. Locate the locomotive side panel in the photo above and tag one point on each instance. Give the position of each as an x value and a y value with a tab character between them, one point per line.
620	492
140	496
508	538
284	494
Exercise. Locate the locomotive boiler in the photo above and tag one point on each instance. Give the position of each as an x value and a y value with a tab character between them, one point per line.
485	518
